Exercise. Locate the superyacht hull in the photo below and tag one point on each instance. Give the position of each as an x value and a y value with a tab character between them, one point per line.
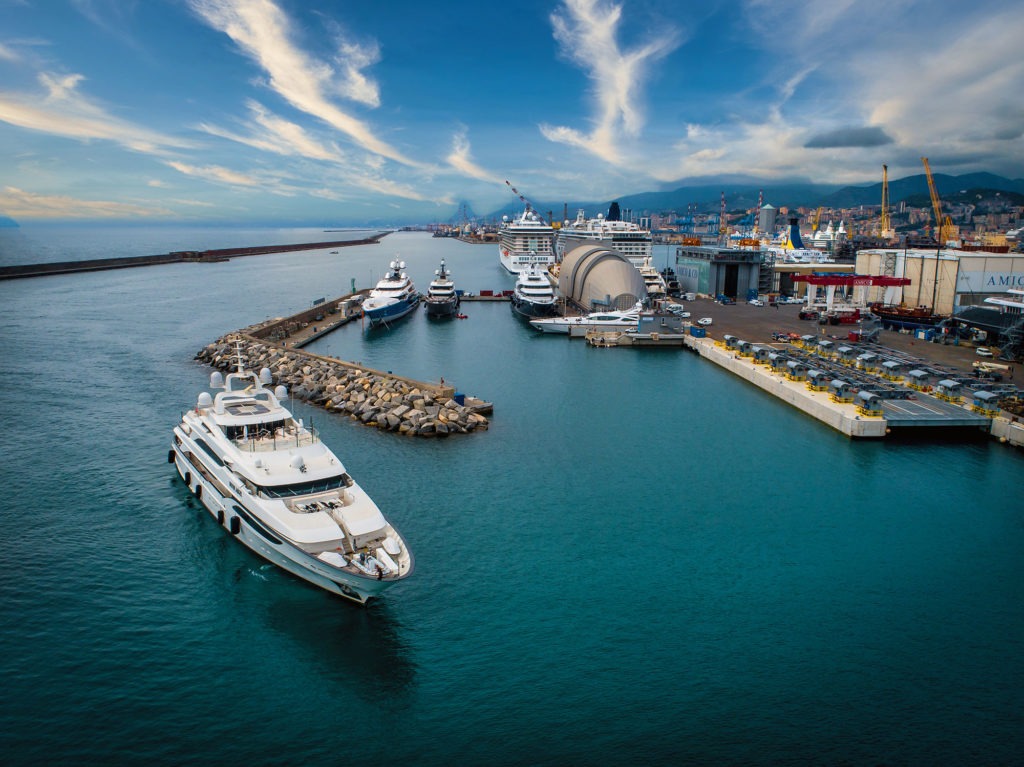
243	524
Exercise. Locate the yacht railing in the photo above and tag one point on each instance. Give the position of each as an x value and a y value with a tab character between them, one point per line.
267	442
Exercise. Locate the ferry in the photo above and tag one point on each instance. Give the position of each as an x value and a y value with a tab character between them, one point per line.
272	484
526	241
393	298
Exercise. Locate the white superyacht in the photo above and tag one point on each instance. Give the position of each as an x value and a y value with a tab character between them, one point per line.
610	320
272	484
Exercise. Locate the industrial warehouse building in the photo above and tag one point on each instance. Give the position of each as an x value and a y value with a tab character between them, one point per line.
596	278
946	280
734	272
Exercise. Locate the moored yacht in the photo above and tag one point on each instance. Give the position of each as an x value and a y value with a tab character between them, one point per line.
534	295
610	320
393	298
653	281
442	300
526	241
269	481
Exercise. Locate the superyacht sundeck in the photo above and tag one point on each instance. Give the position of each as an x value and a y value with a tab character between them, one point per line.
534	295
526	241
612	320
393	298
441	300
274	486
625	237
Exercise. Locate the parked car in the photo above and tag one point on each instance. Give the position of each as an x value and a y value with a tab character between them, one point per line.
755	302
808	314
705	321
983	351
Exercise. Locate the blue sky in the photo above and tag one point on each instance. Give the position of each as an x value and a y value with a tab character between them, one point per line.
340	113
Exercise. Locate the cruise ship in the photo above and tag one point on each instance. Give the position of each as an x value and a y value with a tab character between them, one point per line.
526	241
272	484
625	237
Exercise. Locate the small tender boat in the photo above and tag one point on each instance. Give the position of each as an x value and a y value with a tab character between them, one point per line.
442	300
274	486
393	298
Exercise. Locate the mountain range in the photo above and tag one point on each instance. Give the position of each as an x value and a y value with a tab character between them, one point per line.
743	195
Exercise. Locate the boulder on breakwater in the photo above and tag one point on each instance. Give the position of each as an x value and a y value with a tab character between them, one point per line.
368	396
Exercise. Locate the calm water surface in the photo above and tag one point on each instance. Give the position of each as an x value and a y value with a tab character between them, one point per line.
644	558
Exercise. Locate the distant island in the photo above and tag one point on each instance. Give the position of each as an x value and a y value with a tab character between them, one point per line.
9	223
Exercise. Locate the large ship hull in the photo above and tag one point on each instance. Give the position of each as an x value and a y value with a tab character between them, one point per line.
441	309
389	312
528	310
243	525
906	317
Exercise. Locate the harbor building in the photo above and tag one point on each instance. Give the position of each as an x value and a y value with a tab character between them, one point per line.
945	280
734	272
596	278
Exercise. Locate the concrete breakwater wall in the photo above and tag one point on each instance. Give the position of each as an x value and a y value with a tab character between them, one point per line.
371	397
175	257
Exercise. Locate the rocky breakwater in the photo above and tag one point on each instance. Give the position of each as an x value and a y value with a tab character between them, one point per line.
368	396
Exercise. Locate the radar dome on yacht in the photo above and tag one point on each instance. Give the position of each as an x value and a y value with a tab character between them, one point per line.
401	264
392	264
504	218
266	377
281	392
216	380
205	400
297	463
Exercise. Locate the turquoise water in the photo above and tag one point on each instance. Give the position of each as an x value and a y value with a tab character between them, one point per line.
643	559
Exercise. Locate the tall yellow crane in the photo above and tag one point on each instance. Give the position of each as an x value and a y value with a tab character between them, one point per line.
816	220
885	225
944	229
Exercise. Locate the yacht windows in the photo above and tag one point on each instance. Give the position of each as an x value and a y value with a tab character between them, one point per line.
255	430
307	488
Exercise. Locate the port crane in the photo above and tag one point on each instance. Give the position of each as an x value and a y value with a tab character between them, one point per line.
885	225
527	203
944	229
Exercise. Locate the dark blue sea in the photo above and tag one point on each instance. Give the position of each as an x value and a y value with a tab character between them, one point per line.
644	560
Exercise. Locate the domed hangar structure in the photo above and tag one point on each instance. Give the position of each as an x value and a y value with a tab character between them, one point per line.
597	278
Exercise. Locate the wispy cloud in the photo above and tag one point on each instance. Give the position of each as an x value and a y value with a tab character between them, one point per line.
217	174
8	54
20	204
63	111
588	33
460	158
263	32
277	135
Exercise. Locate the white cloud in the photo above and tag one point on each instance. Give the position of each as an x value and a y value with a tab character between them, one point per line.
63	111
587	34
460	158
20	204
216	174
263	32
279	136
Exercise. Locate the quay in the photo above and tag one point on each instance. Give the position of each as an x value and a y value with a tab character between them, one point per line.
861	389
175	257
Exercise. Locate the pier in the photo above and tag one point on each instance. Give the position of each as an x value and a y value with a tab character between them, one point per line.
175	257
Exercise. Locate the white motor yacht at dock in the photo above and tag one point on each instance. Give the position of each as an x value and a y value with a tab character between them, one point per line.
534	295
275	487
393	297
609	320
